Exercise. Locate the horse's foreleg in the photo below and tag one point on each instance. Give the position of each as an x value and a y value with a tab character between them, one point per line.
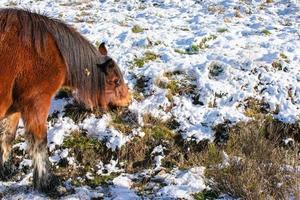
35	117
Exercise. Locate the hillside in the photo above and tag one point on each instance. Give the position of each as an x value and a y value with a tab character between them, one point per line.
215	109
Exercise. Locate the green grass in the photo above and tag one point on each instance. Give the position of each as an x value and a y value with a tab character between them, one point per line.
82	142
266	32
160	132
173	86
148	57
277	65
100	180
284	57
206	195
137	29
195	48
222	30
180	51
203	43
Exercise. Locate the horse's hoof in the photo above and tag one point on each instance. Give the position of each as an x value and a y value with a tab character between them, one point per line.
47	184
7	170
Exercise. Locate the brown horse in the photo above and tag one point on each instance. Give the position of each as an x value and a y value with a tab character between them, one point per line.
38	55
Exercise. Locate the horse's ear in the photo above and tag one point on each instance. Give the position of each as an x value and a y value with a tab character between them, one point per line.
102	49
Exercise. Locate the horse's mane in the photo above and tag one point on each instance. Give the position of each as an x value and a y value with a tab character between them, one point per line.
80	56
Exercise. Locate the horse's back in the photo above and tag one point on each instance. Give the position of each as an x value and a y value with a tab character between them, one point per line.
25	72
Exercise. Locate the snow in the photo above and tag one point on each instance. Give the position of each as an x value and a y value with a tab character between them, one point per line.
158	152
235	66
121	189
59	130
99	128
107	169
182	184
85	193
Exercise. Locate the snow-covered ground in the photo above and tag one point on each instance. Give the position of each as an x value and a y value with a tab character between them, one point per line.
246	49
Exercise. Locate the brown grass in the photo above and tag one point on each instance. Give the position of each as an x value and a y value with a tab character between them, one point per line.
259	166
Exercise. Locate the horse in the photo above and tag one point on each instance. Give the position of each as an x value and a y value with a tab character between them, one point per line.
38	56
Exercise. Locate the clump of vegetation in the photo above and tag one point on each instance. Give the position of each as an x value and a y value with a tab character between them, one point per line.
140	88
141	83
195	48
149	120
203	43
77	112
88	153
173	73
137	154
87	150
277	65
98	180
216	9
215	70
266	32
137	95
173	87
122	23
123	120
137	29
152	43
284	58
256	108
181	86
206	195
238	14
149	56
255	165
222	30
180	51
179	83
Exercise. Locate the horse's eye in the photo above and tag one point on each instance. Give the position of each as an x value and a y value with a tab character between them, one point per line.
117	82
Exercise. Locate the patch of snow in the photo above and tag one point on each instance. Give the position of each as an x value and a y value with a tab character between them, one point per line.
182	184
107	169
85	193
154	105
59	130
121	189
99	128
158	153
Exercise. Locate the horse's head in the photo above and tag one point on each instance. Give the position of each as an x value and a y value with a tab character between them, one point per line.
114	90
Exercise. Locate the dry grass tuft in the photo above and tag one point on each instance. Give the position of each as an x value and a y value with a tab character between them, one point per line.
256	108
257	164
